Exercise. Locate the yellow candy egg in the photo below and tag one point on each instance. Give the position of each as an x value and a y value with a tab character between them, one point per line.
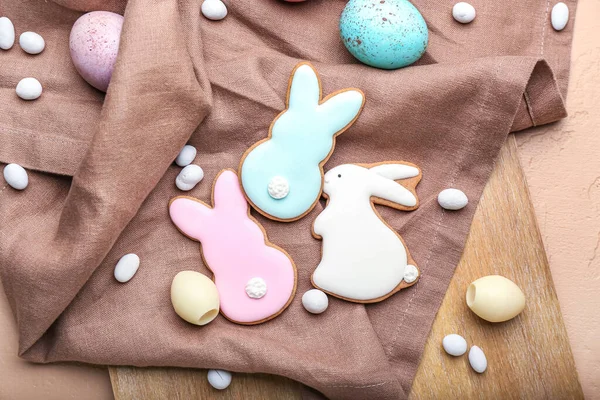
195	297
495	298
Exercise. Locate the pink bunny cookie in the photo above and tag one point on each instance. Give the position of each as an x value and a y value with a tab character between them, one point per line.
256	279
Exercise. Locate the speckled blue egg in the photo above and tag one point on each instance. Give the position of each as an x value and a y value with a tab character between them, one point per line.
386	34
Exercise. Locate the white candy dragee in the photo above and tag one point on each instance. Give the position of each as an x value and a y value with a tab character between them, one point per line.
7	33
127	267
452	199
315	301
29	89
214	9
32	42
477	360
463	12
559	16
16	176
219	379
186	156
454	344
189	177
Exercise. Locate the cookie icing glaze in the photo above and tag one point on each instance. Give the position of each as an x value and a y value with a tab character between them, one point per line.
300	141
363	258
236	249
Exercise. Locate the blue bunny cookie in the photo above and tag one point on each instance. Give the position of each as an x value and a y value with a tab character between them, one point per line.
282	175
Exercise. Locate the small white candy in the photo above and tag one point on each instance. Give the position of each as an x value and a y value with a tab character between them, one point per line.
477	359
559	16
256	288
219	379
454	344
278	187
32	42
16	176
214	9
452	199
315	301
186	155
29	89
127	267
7	33
463	12
189	177
411	273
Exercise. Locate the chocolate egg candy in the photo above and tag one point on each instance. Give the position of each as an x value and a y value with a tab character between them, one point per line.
386	34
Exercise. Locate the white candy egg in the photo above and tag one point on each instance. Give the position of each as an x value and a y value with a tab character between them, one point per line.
186	155
7	33
32	42
463	12
29	89
214	9
452	199
127	267
189	177
219	379
315	301
559	16
477	360
16	176
454	344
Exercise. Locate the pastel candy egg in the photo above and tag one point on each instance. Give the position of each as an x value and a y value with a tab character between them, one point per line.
16	176
32	42
29	89
189	177
454	344
315	301
477	360
384	34
94	44
186	156
495	298
452	199
194	297
127	267
219	379
7	33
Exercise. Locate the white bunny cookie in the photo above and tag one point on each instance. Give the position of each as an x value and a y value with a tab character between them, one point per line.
364	259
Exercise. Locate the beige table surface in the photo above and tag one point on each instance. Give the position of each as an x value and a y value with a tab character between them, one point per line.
562	165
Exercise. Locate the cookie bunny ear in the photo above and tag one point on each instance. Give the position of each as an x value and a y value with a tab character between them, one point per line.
188	215
227	194
305	89
383	183
342	109
396	171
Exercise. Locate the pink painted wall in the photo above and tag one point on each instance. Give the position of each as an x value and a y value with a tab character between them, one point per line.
562	166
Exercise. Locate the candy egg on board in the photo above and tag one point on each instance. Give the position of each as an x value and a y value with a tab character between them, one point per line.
452	199
559	16
214	9
16	176
219	379
7	33
94	44
31	42
463	12
186	155
477	360
454	344
29	89
495	298
127	267
315	301
384	34
195	297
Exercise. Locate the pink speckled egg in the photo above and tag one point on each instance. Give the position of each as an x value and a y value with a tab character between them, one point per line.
94	44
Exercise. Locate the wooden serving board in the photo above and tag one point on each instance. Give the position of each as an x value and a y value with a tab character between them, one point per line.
529	357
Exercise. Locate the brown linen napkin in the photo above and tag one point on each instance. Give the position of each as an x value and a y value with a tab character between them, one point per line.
101	176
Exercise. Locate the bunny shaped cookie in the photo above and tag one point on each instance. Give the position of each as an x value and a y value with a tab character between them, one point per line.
282	175
364	259
256	280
